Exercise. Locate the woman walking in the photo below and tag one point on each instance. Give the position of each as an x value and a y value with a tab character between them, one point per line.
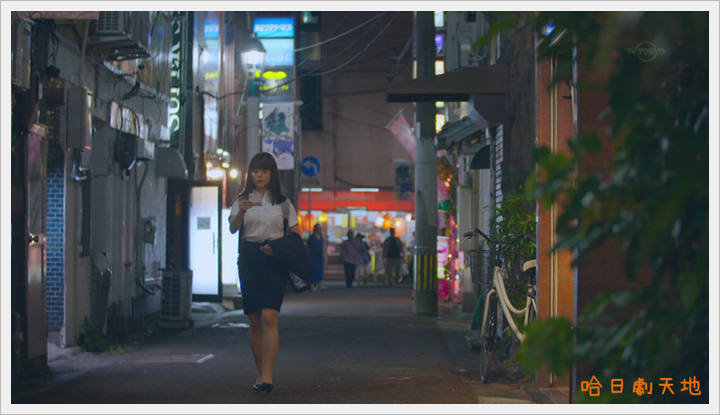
315	246
257	213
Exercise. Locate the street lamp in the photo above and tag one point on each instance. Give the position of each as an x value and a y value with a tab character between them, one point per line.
252	56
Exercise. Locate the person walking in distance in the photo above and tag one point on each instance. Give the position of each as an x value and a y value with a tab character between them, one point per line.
257	212
315	245
392	257
350	256
363	258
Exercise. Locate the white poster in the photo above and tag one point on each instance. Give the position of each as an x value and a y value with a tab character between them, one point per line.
278	133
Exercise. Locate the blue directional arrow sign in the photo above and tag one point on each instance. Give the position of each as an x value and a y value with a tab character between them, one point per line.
310	166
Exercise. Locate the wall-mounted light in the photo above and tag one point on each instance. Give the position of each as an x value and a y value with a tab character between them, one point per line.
209	165
226	165
219	151
233	174
365	189
215	174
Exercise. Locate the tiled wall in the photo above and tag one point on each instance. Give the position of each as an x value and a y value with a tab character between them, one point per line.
55	242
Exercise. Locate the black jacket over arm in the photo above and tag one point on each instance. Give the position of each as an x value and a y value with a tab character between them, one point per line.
293	252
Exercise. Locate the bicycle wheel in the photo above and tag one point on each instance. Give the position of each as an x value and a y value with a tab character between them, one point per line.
487	343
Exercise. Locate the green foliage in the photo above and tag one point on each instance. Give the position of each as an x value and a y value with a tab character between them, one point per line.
91	340
514	217
652	196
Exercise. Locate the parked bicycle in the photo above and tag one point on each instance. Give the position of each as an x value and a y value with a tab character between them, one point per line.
496	299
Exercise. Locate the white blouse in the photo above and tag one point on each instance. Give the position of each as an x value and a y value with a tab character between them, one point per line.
264	223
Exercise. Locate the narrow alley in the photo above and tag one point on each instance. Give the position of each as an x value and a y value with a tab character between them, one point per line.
341	346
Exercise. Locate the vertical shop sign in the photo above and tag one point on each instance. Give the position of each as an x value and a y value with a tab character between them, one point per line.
277	133
175	120
443	250
277	34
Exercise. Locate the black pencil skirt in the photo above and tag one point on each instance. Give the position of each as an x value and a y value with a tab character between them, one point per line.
263	279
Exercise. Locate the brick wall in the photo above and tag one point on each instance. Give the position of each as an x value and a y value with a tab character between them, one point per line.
55	274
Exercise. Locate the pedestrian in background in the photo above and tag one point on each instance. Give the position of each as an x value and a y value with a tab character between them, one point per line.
350	256
257	212
363	258
393	257
315	244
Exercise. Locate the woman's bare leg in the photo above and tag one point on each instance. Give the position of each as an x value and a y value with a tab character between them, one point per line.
256	343
270	343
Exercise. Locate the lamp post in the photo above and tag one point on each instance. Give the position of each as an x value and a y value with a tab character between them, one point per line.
252	55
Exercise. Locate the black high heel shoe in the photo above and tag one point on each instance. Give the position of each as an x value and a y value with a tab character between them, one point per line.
267	387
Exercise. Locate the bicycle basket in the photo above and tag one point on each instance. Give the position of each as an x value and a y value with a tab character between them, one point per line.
481	266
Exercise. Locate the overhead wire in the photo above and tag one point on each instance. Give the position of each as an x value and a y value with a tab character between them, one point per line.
364	49
343	34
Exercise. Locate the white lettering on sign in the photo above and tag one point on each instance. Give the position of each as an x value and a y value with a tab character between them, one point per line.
176	73
273	27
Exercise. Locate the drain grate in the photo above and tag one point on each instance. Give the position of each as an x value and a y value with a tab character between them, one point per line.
176	358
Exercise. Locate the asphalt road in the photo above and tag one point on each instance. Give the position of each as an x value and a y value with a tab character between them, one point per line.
341	346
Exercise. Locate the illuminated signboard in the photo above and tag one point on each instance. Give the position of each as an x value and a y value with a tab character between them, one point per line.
212	28
176	78
280	52
274	27
440	44
439	19
278	84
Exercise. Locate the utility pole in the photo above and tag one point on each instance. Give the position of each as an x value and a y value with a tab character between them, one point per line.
425	177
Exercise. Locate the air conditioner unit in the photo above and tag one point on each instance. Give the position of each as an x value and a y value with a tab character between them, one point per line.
122	35
21	49
111	27
176	301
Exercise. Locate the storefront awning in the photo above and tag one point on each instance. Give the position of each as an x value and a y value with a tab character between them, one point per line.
484	87
329	201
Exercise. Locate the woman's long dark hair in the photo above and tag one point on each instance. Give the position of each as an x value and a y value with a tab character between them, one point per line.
264	161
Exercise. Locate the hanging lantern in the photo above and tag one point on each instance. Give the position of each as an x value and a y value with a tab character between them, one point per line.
323	218
308	221
300	220
387	221
400	226
379	220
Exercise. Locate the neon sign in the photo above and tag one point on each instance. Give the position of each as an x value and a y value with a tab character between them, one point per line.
274	27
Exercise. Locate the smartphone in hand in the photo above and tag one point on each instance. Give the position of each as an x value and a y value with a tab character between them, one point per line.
256	199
